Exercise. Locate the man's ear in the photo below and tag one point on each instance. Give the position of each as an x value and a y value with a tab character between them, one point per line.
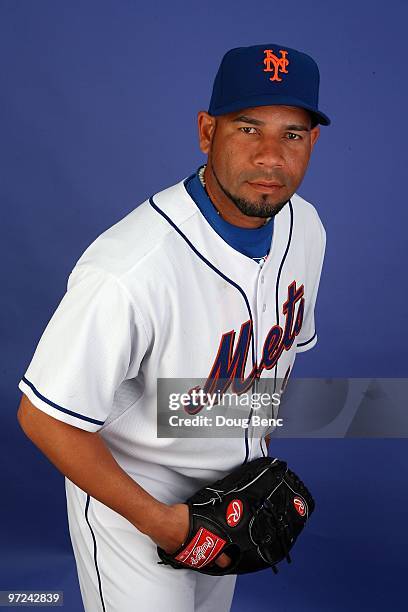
206	127
314	135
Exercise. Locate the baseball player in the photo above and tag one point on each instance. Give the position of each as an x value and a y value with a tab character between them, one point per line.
215	277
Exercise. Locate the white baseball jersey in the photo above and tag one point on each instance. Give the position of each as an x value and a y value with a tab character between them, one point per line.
161	295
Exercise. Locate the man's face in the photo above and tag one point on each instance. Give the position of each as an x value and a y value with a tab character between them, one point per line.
257	157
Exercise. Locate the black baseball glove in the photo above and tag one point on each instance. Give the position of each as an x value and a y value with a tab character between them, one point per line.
254	515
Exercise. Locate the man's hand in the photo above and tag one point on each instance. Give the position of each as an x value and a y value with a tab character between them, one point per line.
170	530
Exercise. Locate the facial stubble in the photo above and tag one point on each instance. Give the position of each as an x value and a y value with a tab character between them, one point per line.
262	209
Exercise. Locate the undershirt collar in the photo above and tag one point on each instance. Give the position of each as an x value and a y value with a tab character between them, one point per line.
254	243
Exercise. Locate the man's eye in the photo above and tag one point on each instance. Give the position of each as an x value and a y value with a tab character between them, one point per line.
247	128
293	136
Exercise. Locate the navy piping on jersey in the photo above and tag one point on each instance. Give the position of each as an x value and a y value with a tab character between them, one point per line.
279	275
278	279
283	261
60	408
234	284
307	341
94	552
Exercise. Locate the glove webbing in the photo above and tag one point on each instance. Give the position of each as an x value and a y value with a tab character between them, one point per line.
281	534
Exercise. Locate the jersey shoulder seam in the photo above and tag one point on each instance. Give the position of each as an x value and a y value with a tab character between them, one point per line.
123	288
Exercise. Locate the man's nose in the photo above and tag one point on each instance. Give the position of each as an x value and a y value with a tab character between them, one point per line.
269	154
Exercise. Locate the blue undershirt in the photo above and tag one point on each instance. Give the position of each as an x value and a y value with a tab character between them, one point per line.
254	243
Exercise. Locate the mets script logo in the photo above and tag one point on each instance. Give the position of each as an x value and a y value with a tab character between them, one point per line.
299	505
234	512
275	64
229	365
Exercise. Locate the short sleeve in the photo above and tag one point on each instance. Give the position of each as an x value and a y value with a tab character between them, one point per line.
92	343
307	338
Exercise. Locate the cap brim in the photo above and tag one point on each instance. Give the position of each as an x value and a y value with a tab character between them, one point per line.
269	100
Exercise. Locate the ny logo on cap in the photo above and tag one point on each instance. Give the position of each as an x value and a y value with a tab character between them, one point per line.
275	64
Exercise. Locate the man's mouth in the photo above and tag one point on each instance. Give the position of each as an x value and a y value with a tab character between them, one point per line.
265	185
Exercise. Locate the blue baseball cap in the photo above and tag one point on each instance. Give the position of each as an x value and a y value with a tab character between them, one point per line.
264	75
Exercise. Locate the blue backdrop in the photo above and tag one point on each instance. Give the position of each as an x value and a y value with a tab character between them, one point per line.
98	105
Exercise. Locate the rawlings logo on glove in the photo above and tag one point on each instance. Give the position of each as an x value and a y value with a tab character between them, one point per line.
299	505
254	515
202	549
234	512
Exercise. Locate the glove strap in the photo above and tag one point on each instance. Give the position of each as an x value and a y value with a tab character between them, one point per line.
203	547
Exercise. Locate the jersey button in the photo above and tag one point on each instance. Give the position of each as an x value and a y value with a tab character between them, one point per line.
262	279
264	308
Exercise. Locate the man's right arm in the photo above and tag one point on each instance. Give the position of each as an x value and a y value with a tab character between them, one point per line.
84	458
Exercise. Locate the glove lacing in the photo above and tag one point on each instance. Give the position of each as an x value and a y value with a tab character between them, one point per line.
282	533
